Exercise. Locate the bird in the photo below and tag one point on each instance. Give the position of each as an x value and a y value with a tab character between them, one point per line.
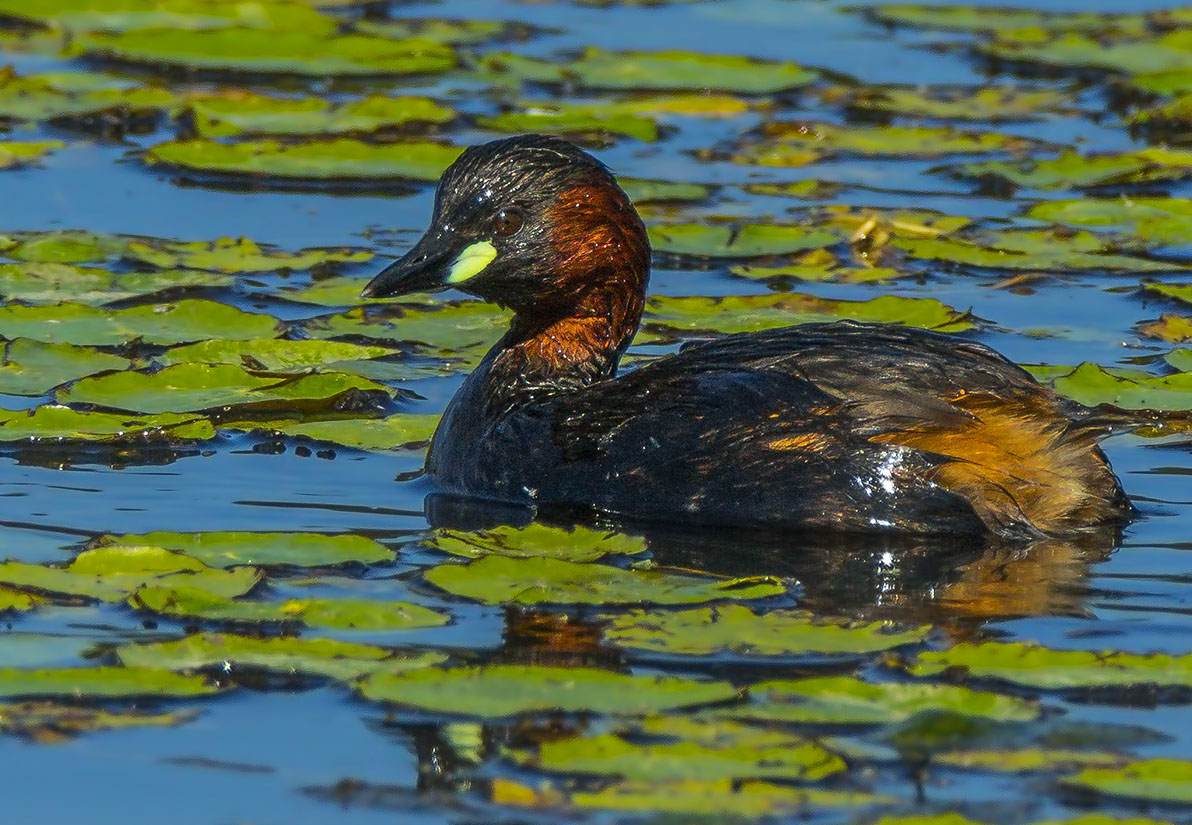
840	427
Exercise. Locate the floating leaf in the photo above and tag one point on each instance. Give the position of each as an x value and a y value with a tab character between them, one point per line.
194	387
343	661
313	52
750	313
17	153
63	247
1027	760
54	283
248	113
1071	170
61	96
56	424
272	354
223	549
340	159
112	573
15	600
33	368
496	691
725	798
236	255
737	629
1008	20
573	120
1150	220
1169	327
818	272
1090	384
122	15
391	433
1040	667
454	32
843	700
536	541
748	241
650	191
1031	249
175	323
794	144
100	683
48	720
1157	781
339	614
464	327
1158	54
991	104
501	580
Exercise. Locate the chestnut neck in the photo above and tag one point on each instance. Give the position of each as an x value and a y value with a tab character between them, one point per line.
575	335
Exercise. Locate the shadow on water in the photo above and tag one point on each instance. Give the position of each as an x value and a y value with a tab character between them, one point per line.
953	582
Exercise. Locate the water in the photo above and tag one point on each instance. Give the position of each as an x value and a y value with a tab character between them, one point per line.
256	755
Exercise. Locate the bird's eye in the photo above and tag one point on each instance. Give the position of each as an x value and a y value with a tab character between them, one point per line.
507	222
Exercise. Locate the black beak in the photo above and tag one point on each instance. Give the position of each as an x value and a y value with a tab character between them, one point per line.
425	268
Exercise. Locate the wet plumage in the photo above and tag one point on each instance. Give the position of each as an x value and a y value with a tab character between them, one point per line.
845	426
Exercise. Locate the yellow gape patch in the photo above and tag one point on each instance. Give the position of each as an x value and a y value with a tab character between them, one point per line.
471	262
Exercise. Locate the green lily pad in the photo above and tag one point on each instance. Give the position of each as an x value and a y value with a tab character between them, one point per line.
748	241
16	600
990	104
61	97
843	700
54	283
248	113
51	721
1145	56
338	614
1032	249
1168	327
236	255
1175	114
342	661
1002	19
1150	220
1092	385
1073	171
749	313
15	153
100	683
343	291
122	15
796	143
496	691
111	573
62	247
465	328
667	70
1157	780
761	755
819	270
737	629
272	354
1040	667
56	424
503	580
33	368
1027	760
441	30
175	323
394	432
725	798
537	541
194	387
651	191
340	159
559	119
265	549
313	52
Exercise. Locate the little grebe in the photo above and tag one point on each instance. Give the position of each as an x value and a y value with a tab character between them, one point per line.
838	426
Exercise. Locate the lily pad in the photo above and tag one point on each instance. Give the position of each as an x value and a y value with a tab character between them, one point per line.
340	159
496	691
57	424
265	549
236	255
59	97
1032	249
1073	171
1090	384
821	271
16	600
1027	760
62	247
443	30
54	283
466	328
797	143
537	541
394	432
343	661
314	52
272	354
1039	667
18	153
1168	327
1157	780
761	755
737	629
248	113
1150	220
990	104
1002	19
50	721
101	683
176	323
194	387
651	191
748	241
111	573
1141	56
33	368
123	15
843	700
724	798
749	313
503	580
338	614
